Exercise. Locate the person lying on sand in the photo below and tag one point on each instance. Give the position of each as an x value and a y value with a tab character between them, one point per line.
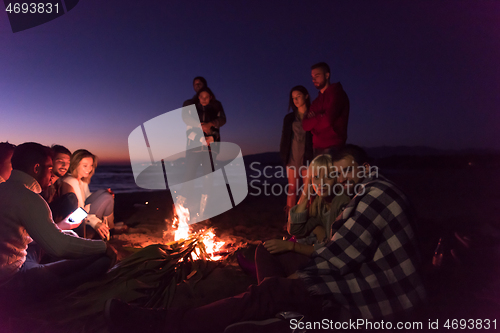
310	221
369	267
25	217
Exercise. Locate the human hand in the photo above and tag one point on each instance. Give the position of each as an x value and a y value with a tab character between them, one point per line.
103	230
308	189
275	246
207	127
209	140
311	114
320	233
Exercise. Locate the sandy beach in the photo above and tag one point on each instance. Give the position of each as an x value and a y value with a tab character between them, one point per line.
444	200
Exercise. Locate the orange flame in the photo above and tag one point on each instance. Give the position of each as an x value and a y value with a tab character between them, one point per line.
180	223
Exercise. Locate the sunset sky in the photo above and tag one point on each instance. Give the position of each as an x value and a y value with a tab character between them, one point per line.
416	72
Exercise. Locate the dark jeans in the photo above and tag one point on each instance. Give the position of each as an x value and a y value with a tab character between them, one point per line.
274	293
279	265
34	281
62	206
263	301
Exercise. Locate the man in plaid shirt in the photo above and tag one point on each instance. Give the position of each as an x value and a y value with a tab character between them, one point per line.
370	264
369	267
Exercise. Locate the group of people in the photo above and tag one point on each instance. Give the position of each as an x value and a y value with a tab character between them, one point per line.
202	145
353	254
42	250
313	128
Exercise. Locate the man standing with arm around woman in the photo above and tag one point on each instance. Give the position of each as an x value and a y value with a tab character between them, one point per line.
329	113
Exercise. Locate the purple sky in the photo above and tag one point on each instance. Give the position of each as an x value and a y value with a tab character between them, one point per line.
416	72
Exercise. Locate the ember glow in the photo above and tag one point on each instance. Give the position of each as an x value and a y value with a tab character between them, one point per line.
208	246
180	223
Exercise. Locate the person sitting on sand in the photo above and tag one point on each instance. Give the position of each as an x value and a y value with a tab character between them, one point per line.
296	149
6	151
369	267
60	204
99	204
25	217
310	221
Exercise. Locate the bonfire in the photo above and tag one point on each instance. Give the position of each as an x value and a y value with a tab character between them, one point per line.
207	247
149	276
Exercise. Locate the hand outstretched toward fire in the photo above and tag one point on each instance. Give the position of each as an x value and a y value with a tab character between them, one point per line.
278	246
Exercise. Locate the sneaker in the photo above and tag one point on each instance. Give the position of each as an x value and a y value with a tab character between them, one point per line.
124	318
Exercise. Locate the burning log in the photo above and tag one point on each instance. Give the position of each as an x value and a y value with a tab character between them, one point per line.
207	247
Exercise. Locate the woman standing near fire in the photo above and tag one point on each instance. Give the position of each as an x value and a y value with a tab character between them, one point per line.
310	220
296	147
202	148
99	204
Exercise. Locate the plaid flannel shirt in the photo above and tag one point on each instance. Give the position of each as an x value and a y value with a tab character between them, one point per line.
370	265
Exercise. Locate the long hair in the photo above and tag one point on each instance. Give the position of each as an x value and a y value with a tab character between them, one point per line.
76	158
321	161
304	91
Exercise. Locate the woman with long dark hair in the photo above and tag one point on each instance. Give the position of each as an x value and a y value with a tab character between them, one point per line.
202	147
296	149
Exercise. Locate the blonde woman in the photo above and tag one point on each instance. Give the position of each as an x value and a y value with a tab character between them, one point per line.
99	204
310	220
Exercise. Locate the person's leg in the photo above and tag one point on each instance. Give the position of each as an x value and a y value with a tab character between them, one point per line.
101	203
193	161
293	180
277	265
36	281
208	162
261	301
73	272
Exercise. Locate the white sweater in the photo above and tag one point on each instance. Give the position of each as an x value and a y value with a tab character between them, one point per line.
24	217
82	192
